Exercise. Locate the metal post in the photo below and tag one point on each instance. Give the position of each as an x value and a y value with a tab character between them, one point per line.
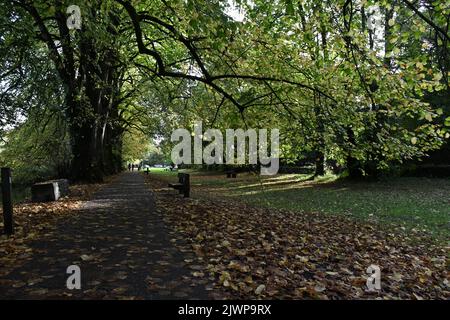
187	186
7	201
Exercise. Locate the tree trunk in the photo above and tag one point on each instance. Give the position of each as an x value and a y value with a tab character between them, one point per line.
354	168
389	14
89	70
320	164
84	164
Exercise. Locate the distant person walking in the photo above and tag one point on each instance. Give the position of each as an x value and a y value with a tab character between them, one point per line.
129	167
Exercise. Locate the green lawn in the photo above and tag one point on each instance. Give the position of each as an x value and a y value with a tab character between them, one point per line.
420	203
160	171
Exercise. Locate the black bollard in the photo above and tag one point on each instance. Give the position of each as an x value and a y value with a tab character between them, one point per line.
7	201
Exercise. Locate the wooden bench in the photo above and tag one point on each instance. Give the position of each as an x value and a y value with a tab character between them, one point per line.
183	185
231	174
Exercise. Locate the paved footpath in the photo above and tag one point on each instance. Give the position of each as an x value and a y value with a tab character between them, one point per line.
121	245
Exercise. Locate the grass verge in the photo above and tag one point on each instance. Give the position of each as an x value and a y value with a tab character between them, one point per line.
422	204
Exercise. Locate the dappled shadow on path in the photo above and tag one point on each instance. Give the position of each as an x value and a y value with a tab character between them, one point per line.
121	244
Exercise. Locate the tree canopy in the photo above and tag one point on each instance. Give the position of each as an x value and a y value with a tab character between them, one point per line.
363	83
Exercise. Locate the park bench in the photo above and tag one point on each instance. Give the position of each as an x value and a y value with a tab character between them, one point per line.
49	190
183	185
231	174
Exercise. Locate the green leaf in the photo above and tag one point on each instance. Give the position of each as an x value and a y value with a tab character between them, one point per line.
447	122
289	7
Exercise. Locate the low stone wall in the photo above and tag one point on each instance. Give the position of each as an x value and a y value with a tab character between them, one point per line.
49	190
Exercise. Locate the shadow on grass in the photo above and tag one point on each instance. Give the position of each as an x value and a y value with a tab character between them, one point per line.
411	203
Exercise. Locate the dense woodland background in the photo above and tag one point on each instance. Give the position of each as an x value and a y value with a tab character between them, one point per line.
363	92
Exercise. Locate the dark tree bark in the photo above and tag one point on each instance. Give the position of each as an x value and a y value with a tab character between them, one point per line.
319	164
91	85
354	168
